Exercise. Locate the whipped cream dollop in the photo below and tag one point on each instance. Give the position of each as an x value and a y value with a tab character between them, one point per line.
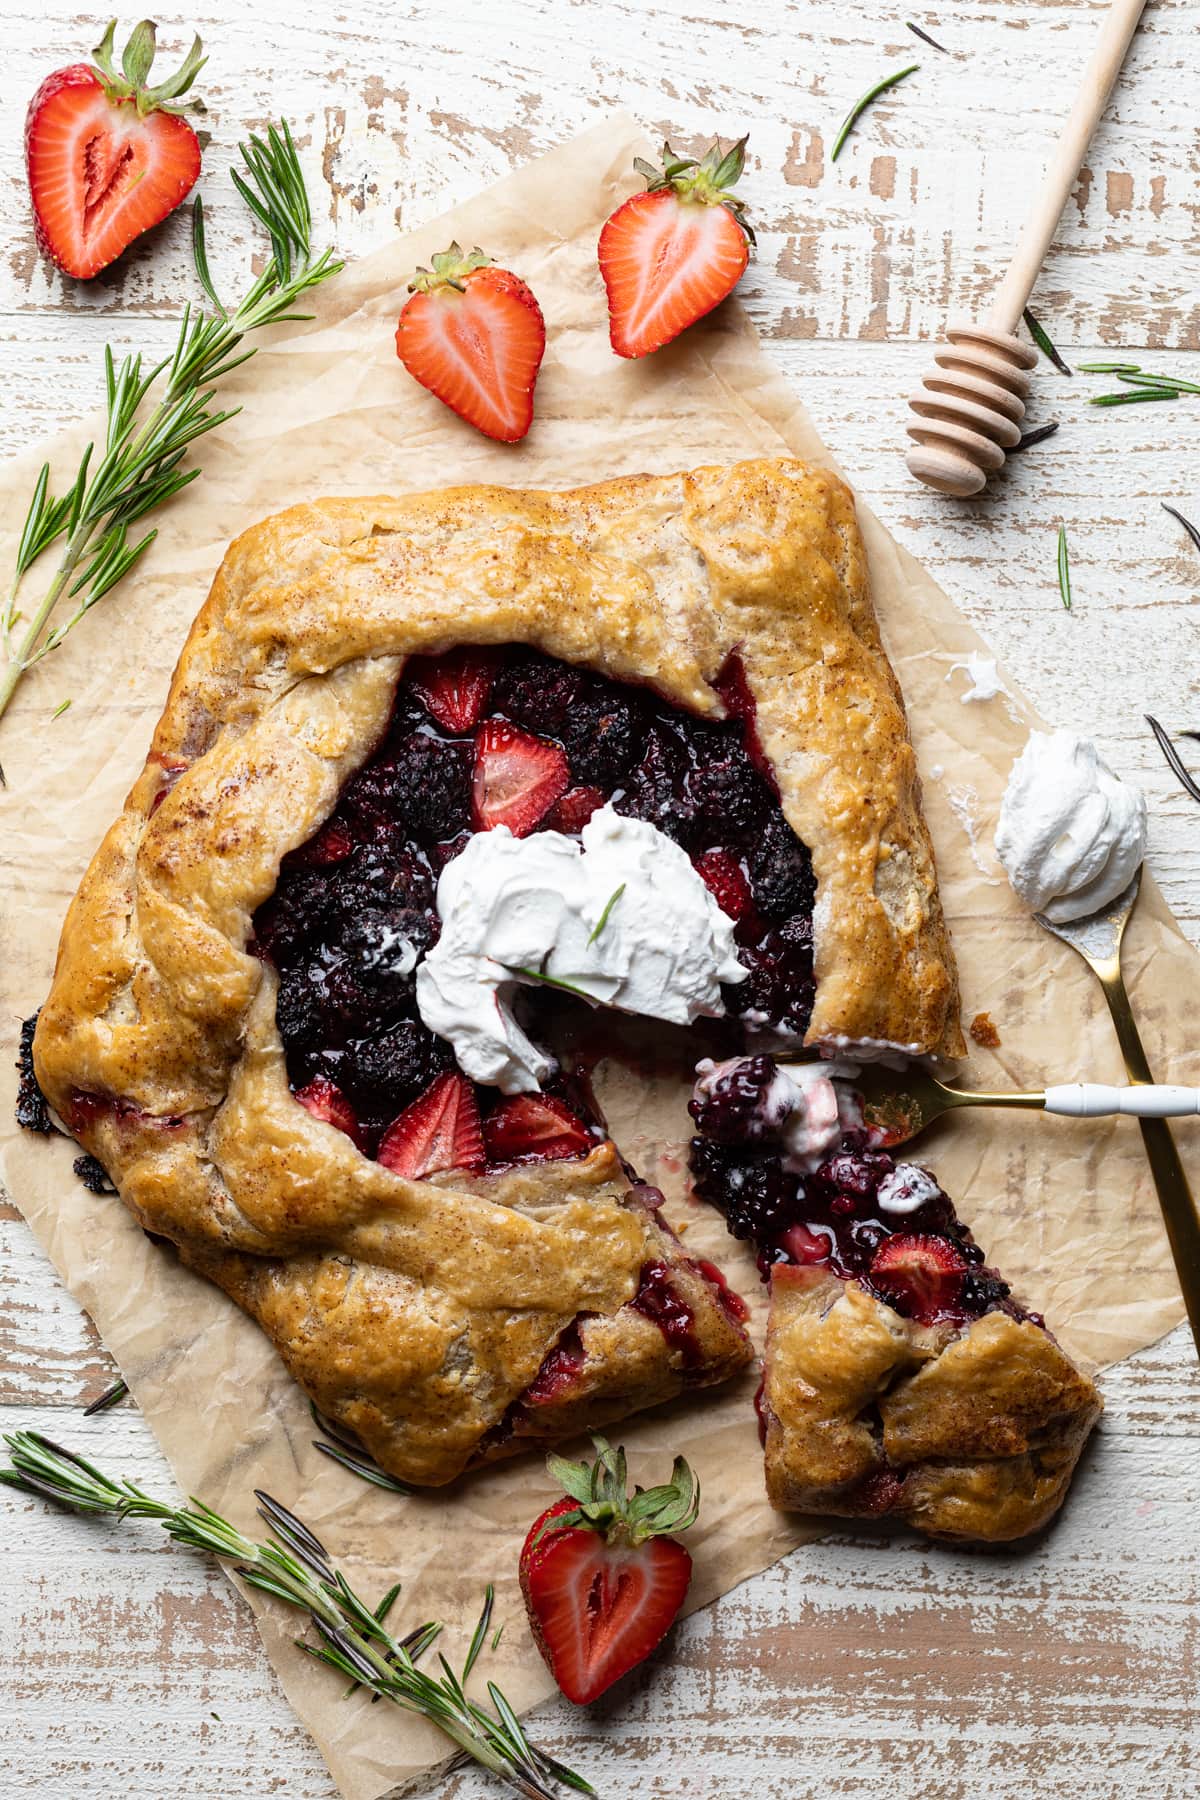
807	1109
906	1189
621	918
1071	834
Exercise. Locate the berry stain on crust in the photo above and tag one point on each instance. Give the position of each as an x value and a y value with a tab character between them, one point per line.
477	738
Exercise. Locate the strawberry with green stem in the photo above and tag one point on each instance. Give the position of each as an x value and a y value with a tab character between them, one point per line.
107	155
671	254
602	1572
473	334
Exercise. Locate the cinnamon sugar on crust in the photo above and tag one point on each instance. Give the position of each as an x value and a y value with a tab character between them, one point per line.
418	1313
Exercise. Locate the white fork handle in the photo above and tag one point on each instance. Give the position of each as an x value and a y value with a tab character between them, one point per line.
1092	1100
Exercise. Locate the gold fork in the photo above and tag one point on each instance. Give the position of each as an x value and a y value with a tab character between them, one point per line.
1097	940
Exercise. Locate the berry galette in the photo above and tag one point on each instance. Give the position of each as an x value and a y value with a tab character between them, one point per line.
901	1376
437	777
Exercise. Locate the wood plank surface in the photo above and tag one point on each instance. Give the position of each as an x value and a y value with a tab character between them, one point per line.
129	1669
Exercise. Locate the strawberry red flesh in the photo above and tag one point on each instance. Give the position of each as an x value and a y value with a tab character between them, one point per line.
474	336
518	777
440	1130
326	1101
725	879
534	1128
106	155
597	1611
454	687
670	255
570	814
602	1573
920	1273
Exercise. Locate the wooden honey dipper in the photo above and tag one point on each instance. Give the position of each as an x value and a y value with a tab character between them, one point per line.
969	409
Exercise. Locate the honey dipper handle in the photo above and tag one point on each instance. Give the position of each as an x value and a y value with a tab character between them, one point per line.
1038	233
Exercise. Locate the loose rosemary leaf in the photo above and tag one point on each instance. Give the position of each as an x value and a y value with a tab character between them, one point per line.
925	37
1041	338
1038	435
1064	568
1134	397
1174	760
860	106
1187	526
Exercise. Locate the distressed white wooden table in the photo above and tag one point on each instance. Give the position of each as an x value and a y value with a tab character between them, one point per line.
131	1670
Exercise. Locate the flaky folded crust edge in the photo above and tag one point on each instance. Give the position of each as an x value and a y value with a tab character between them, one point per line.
969	1434
283	688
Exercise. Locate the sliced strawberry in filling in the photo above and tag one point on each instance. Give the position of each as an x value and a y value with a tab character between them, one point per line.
725	879
570	814
922	1271
326	1101
454	687
534	1128
440	1130
518	777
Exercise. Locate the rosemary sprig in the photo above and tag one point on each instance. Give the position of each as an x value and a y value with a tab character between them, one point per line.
1041	338
1145	383
602	921
1038	435
1064	568
342	1447
860	106
1191	530
147	437
293	1566
1174	760
925	37
110	1397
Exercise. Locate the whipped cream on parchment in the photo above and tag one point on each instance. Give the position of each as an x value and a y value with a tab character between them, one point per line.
621	918
1071	835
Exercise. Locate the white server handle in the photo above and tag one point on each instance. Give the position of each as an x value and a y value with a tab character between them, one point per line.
1092	1100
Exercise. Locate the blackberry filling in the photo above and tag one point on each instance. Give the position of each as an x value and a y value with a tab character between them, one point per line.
354	908
921	1260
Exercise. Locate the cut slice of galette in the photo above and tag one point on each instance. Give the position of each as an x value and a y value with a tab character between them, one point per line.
901	1375
436	779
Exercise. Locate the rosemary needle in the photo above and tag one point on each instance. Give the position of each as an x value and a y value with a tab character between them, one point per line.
602	921
860	106
1028	439
1064	568
110	1397
293	1566
1041	338
925	37
1174	760
1186	523
1134	396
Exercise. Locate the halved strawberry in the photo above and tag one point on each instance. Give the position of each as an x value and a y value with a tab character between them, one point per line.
454	687
602	1579
725	879
570	814
518	777
534	1128
922	1273
440	1130
670	255
474	335
325	1100
107	156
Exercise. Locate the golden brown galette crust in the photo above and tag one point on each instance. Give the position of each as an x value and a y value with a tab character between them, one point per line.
966	1434
418	1312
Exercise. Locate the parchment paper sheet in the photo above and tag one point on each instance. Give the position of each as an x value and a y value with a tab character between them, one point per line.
1066	1209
